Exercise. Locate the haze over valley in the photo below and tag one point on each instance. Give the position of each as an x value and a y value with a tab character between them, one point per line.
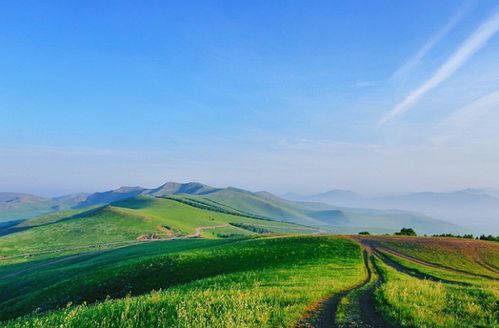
338	211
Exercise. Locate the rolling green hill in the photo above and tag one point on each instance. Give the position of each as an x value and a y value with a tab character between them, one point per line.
254	204
259	282
132	220
327	217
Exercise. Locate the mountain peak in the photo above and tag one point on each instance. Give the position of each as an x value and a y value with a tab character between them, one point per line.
127	189
13	197
334	196
173	188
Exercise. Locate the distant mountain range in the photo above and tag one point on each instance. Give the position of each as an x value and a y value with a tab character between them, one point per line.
18	206
313	211
477	209
335	196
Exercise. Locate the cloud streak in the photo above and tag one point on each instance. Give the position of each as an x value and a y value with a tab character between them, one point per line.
479	117
467	49
416	59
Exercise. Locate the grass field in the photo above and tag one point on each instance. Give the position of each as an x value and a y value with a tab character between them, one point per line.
446	275
188	261
349	311
472	256
412	302
124	223
419	287
258	282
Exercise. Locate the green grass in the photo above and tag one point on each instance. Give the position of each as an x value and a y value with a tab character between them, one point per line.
348	313
54	217
229	231
108	226
472	256
274	208
320	215
412	302
263	282
445	275
122	223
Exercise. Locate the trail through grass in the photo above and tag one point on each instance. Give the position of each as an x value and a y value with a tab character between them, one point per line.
413	302
469	256
122	223
357	309
265	282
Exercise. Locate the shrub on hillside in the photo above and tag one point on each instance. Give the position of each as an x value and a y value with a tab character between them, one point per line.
406	232
489	237
469	236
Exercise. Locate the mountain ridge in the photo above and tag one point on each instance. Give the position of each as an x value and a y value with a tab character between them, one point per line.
266	204
475	208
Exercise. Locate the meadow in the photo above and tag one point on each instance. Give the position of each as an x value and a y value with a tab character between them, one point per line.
124	223
421	287
267	281
350	308
413	302
465	255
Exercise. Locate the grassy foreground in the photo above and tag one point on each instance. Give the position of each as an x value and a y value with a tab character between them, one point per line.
264	282
412	302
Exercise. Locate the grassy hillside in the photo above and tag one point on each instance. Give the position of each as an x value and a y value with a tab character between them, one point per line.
174	188
258	204
264	282
412	285
251	281
273	208
469	256
424	303
437	273
125	222
342	220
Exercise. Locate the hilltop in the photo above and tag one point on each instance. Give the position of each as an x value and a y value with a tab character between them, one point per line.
147	209
257	204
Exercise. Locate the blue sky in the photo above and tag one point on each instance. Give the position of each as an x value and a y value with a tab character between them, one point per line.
375	96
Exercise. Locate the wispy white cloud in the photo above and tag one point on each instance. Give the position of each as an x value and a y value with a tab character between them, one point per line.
479	117
467	49
405	69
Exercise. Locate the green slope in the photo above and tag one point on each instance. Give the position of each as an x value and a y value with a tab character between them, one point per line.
258	204
336	219
125	222
260	282
263	205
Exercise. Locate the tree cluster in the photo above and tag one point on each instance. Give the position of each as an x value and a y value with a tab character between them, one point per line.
406	232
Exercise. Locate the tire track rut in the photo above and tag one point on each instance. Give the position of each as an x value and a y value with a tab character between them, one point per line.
325	315
414	272
377	246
